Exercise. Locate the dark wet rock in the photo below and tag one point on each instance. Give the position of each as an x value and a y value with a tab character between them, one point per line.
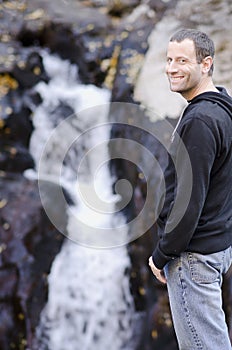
17	103
84	48
29	244
121	7
15	158
160	6
159	333
33	72
149	295
16	128
76	34
130	55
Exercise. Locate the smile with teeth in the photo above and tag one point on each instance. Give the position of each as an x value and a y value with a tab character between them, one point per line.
175	79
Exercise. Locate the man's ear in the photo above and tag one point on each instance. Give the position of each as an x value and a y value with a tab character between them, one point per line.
207	64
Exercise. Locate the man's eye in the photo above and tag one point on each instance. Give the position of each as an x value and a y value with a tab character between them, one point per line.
169	60
182	60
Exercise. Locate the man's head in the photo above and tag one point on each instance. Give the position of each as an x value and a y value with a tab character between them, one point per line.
190	62
204	46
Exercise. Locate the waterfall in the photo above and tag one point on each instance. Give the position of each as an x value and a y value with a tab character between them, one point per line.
89	303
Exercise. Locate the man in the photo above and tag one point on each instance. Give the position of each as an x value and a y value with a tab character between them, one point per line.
194	252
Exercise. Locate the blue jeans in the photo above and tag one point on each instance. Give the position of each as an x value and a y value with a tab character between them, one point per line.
194	287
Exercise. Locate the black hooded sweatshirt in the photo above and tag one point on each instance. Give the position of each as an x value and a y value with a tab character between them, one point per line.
197	210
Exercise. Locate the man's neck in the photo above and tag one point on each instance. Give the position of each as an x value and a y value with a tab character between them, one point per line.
206	86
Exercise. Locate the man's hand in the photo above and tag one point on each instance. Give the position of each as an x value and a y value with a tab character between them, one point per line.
158	273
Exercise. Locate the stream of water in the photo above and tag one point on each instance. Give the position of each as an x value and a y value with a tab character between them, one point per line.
89	303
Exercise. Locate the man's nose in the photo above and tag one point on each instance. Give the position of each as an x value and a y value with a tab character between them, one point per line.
171	67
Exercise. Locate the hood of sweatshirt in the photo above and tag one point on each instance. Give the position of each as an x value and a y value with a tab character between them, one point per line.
222	98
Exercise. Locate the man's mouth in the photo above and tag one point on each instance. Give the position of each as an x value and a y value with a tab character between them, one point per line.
175	79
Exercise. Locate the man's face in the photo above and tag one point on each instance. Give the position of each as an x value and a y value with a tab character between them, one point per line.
184	73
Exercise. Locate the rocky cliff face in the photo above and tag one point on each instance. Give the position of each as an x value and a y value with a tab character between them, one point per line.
28	246
117	44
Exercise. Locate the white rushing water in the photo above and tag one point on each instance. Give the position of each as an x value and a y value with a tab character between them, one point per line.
89	303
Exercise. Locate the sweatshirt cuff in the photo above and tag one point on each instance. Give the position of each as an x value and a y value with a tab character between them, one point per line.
160	259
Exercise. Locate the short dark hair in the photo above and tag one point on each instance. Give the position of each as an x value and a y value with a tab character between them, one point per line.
204	46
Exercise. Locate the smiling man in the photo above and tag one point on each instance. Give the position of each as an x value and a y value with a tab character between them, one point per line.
195	251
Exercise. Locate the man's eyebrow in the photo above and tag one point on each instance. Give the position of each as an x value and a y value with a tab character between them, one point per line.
178	58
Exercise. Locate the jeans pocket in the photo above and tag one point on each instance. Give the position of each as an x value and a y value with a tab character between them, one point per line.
202	269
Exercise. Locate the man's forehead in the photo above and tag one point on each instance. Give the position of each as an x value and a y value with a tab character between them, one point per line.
186	46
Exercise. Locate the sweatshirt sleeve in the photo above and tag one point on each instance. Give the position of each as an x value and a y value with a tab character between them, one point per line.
167	197
193	167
